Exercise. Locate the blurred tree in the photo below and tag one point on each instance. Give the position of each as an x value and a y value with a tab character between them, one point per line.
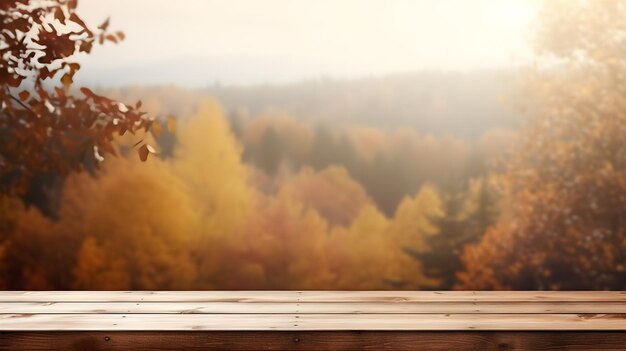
46	130
441	258
565	228
208	161
482	206
12	213
323	148
331	192
35	254
269	151
387	180
150	251
416	219
464	218
282	245
237	120
366	256
275	141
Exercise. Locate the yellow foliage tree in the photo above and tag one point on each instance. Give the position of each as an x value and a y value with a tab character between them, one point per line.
331	192
137	228
565	228
208	160
28	250
281	246
416	218
366	257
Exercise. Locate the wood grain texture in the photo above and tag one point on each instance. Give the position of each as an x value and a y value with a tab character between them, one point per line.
311	307
325	341
312	296
271	322
311	311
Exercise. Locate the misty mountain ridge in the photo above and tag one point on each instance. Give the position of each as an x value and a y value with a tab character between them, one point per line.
462	104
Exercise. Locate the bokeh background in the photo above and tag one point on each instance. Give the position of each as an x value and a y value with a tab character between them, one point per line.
343	145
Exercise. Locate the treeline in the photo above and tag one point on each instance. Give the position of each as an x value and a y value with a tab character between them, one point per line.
463	104
205	219
271	199
390	161
389	165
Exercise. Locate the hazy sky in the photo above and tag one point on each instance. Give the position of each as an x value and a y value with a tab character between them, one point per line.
199	42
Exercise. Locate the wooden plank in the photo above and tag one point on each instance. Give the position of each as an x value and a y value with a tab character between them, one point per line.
311	296
149	296
324	341
310	307
270	322
462	296
463	322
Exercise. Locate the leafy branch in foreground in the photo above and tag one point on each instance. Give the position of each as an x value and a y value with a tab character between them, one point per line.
43	127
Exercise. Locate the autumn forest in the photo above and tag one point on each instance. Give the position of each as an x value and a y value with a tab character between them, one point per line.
484	179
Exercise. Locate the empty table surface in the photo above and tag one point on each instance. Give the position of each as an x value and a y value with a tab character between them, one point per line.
311	311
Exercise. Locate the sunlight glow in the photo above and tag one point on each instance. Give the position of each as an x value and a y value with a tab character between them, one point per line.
192	41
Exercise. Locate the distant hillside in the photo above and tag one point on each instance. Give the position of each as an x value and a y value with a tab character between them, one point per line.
464	104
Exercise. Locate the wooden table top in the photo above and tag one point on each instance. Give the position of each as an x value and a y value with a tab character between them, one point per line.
310	311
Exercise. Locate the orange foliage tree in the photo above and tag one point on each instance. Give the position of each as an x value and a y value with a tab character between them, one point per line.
44	128
565	227
331	192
